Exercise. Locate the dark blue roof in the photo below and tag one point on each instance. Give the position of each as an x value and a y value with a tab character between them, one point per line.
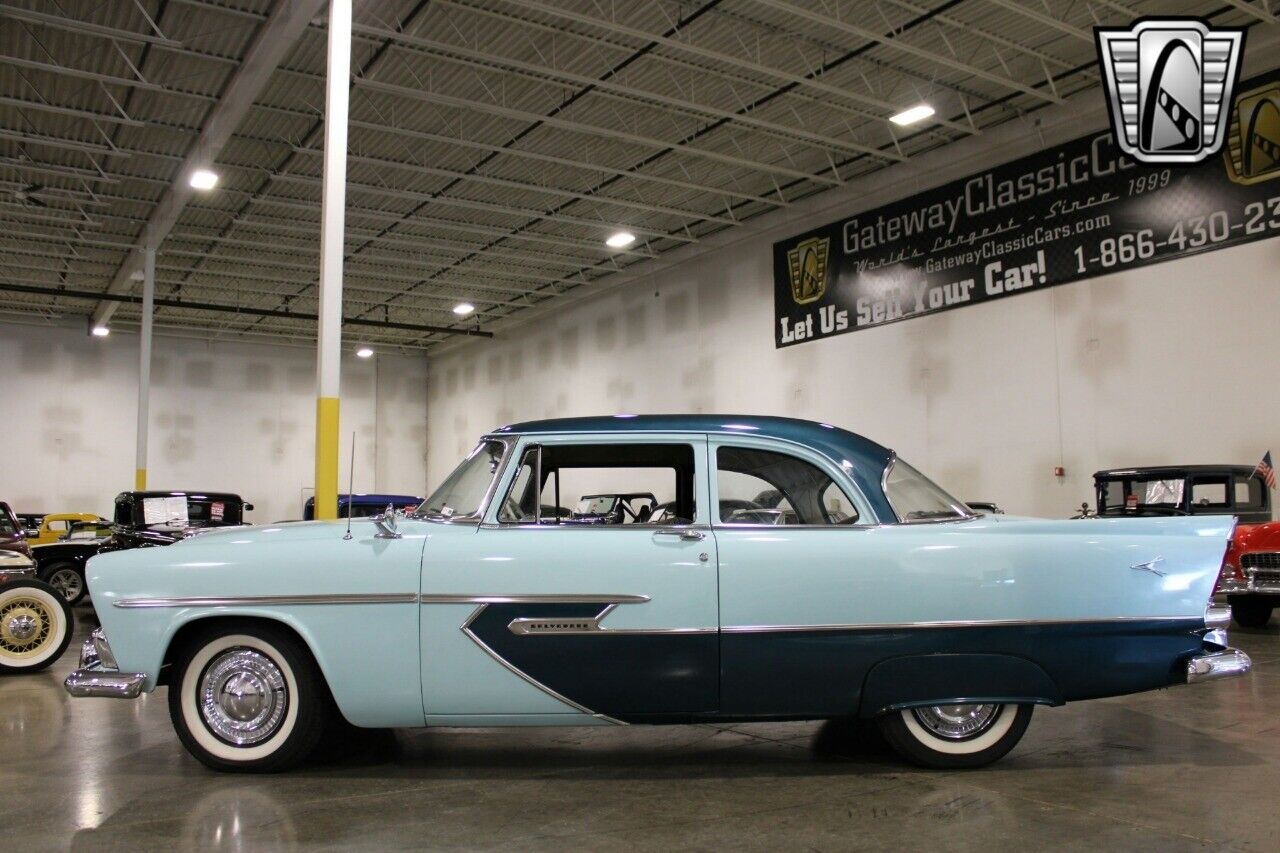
867	458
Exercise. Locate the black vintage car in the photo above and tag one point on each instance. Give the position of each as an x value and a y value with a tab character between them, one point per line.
140	520
1183	490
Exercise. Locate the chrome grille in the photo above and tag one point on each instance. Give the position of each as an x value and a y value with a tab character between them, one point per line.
1266	577
1267	560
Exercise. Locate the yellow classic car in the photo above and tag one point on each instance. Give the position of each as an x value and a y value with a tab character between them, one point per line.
56	525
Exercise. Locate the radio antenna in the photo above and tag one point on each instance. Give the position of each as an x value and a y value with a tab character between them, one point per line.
351	486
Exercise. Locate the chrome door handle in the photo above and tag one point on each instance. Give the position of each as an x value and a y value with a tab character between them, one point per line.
685	535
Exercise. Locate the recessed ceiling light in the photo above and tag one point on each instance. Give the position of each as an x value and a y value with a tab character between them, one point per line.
364	352
620	240
913	115
101	331
462	309
203	179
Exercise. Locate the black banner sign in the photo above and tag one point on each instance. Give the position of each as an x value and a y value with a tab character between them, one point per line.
1072	212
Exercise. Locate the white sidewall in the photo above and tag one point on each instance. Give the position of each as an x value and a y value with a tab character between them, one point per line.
191	706
989	738
57	631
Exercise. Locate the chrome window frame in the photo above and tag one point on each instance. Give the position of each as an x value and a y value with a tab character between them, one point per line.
884	487
691	439
478	516
823	462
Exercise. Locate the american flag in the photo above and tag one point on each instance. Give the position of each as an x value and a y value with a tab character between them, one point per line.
1266	471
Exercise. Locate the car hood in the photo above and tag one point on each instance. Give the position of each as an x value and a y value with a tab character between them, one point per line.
274	534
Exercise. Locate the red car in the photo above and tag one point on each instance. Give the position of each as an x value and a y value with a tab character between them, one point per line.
1251	573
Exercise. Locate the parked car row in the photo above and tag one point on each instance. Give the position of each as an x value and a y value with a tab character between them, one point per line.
35	622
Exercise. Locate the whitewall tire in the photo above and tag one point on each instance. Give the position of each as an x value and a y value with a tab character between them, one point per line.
248	697
955	736
35	626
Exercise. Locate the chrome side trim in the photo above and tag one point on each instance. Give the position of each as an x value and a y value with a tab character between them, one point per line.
519	598
272	600
959	623
568	625
466	629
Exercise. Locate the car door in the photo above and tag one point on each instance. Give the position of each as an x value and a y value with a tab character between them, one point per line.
546	614
793	538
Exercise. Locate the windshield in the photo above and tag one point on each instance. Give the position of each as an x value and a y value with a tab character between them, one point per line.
1130	493
595	505
7	525
915	497
463	493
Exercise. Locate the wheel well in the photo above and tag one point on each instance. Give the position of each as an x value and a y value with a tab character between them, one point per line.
184	635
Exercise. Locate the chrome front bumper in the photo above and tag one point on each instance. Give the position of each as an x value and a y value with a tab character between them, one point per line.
7	575
1252	584
99	674
1227	663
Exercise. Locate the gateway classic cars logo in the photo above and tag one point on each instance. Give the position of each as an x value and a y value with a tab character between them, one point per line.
1169	85
807	263
1253	139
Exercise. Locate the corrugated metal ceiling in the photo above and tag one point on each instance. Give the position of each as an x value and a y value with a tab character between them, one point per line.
494	144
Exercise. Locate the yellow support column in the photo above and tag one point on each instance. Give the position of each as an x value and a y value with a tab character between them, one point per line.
140	480
327	457
333	202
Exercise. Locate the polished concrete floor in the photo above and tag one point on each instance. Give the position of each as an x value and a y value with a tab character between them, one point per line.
1184	768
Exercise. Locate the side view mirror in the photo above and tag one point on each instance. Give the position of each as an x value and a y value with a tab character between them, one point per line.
386	524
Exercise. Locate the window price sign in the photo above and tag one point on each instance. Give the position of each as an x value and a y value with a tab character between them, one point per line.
1072	212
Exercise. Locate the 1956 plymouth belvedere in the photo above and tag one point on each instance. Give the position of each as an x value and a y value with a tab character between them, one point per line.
877	595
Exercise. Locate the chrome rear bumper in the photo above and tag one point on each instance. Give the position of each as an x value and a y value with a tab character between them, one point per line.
1227	663
99	675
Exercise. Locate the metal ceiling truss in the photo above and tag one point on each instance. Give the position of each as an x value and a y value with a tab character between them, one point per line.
494	144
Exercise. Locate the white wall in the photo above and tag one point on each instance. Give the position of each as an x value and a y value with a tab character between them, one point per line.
230	416
1174	363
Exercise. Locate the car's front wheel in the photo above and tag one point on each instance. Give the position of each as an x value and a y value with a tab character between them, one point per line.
67	579
955	736
35	626
248	697
1251	611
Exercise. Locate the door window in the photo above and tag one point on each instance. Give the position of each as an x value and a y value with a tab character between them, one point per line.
602	485
1248	493
1209	492
765	488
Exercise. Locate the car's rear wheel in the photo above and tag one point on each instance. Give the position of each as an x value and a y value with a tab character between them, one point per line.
955	736
35	626
1251	611
67	579
248	697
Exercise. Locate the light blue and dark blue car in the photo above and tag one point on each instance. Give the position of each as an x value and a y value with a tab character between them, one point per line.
791	571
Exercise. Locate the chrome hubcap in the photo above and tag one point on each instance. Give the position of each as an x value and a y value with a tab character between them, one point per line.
66	582
956	722
243	697
22	627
